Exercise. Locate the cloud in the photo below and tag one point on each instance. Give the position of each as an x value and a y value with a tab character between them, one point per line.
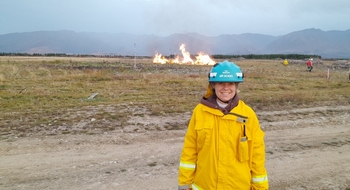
160	17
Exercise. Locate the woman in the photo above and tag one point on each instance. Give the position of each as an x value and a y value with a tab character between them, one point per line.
224	145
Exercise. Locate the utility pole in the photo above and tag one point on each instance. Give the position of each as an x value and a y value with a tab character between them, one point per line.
134	55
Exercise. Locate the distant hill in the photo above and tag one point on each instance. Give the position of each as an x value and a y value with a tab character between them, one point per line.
331	44
328	44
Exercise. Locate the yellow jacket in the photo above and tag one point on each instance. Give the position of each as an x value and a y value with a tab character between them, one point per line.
223	151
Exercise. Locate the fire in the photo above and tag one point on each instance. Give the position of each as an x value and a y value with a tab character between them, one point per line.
159	59
201	59
185	54
204	59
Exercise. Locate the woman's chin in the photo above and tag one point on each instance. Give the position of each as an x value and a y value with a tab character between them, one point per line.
225	99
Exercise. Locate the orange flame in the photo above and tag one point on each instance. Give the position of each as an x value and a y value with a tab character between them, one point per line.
201	59
186	55
204	59
159	59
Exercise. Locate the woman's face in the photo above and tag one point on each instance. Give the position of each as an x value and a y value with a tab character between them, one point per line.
225	91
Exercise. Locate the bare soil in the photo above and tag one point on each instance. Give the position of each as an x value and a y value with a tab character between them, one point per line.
306	148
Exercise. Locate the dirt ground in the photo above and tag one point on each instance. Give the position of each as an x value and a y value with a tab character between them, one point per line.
306	148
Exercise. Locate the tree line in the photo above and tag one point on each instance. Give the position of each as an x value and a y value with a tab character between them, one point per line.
267	56
55	55
215	56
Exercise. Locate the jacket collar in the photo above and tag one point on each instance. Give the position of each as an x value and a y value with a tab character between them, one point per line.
209	99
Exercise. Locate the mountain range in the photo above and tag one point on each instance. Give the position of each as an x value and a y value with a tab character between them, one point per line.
328	44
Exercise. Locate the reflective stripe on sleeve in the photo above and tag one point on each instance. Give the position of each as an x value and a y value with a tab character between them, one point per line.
260	179
188	166
195	187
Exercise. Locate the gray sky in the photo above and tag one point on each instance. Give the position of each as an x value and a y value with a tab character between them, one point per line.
166	17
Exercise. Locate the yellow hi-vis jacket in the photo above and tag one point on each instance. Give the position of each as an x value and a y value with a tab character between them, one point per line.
225	152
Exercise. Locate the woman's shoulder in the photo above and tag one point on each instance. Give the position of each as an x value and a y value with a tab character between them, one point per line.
245	107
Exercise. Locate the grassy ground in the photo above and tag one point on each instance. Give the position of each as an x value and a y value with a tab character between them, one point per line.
38	91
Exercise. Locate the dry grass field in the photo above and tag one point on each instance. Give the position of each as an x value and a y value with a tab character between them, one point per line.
56	135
